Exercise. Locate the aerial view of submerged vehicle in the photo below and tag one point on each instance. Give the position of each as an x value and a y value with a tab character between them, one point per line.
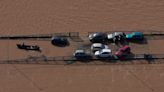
59	41
136	36
98	37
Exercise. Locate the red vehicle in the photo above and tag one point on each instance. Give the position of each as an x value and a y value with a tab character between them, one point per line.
125	50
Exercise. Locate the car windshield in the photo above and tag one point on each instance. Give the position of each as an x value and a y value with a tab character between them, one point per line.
124	48
105	53
101	34
97	47
137	36
102	46
80	53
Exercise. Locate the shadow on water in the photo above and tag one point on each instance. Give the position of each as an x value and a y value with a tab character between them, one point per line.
149	58
127	42
144	41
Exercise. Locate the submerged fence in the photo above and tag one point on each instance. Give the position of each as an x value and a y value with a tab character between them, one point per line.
149	35
65	60
40	36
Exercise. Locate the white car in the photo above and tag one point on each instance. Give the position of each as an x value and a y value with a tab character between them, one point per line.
116	35
98	46
104	53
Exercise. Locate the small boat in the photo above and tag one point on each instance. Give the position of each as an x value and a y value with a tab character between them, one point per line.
28	47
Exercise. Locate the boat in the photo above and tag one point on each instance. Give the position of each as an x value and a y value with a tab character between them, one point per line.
28	47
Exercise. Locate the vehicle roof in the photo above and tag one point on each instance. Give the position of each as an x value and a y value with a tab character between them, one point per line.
97	45
110	36
118	52
137	33
98	33
79	51
106	50
124	48
58	38
117	33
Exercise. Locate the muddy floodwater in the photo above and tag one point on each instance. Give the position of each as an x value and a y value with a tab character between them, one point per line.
24	17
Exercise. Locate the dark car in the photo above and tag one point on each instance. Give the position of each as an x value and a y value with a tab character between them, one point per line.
82	55
98	37
59	41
